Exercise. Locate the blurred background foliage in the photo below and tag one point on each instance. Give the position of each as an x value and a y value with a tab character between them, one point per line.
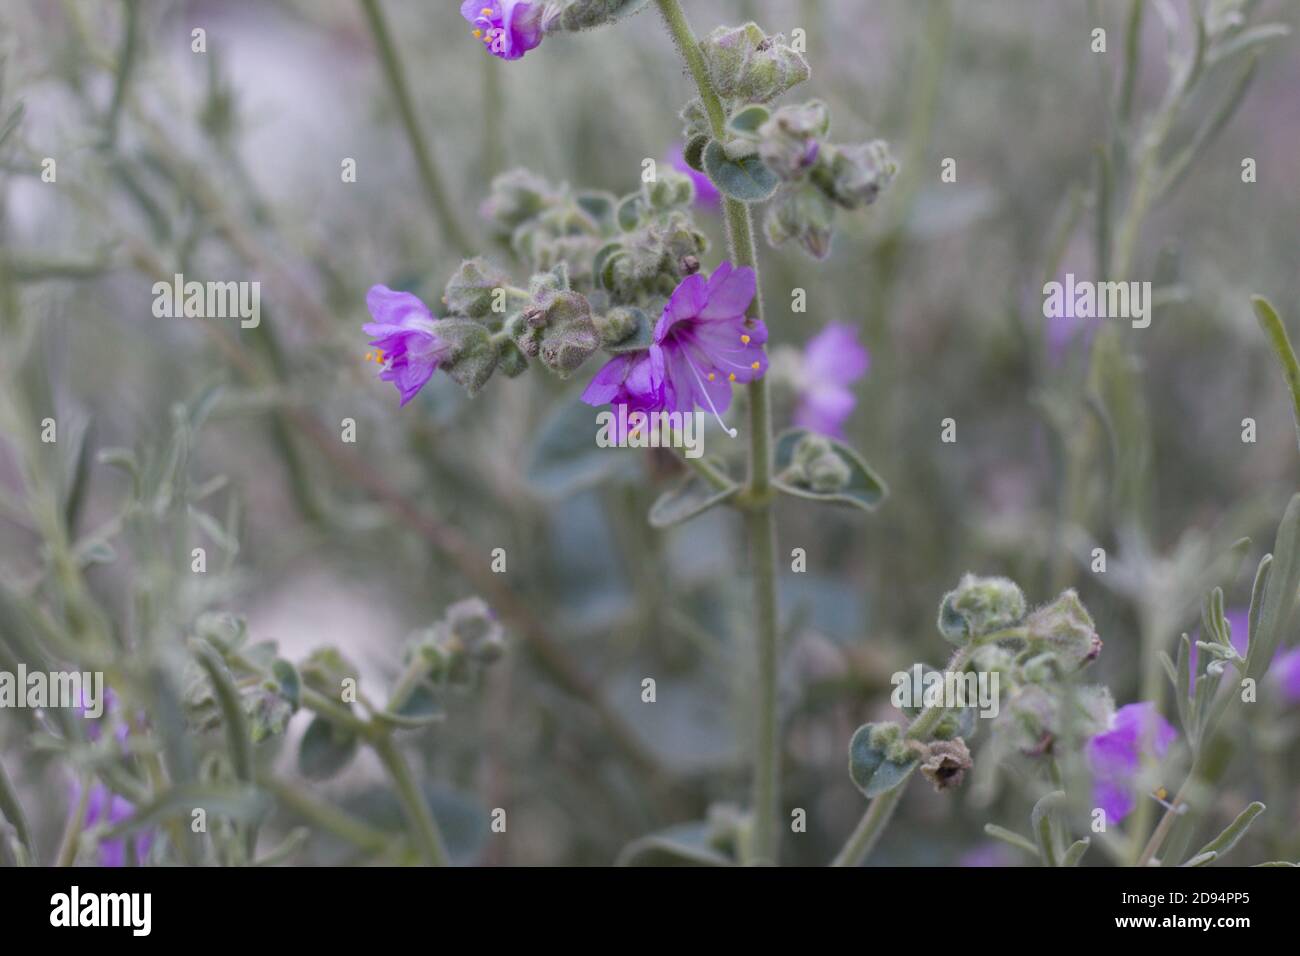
226	165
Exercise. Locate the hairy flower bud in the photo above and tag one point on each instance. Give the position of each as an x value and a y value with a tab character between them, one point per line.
670	190
470	626
788	143
748	66
586	14
945	763
801	212
980	606
471	290
1066	628
471	356
619	324
855	175
558	327
517	196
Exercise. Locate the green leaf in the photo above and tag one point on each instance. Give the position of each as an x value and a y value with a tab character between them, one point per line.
1076	851
870	765
691	496
1278	606
325	750
865	489
1048	826
12	811
629	212
748	119
241	803
1272	325
1011	838
747	180
232	709
564	456
682	845
1235	830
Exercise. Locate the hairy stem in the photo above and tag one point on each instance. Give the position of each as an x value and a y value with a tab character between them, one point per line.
863	839
760	520
434	193
428	838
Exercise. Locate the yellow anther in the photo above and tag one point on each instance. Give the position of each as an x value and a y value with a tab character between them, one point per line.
754	366
486	11
478	35
731	377
712	376
744	339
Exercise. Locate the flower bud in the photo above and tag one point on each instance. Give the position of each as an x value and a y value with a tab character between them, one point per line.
619	324
945	763
856	174
510	360
980	606
746	65
470	626
471	290
558	327
788	142
515	197
1066	628
586	14
670	190
802	212
471	356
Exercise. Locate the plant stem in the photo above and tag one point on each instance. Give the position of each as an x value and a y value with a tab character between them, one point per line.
427	836
878	813
434	192
760	519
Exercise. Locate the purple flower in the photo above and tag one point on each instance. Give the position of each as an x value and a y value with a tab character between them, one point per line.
702	344
508	28
107	710
408	349
832	361
708	342
706	194
1137	733
1285	669
105	808
634	379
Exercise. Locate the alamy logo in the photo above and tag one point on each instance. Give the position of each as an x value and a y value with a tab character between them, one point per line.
209	300
918	688
103	909
84	689
620	428
1098	300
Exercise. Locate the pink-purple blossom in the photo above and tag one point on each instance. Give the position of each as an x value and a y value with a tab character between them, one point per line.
408	350
706	194
832	361
703	343
1137	734
508	28
107	809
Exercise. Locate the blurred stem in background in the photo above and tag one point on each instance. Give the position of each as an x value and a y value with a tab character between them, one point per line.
758	495
430	179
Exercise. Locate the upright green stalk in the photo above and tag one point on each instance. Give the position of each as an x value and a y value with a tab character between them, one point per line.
881	809
427	836
757	497
434	192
